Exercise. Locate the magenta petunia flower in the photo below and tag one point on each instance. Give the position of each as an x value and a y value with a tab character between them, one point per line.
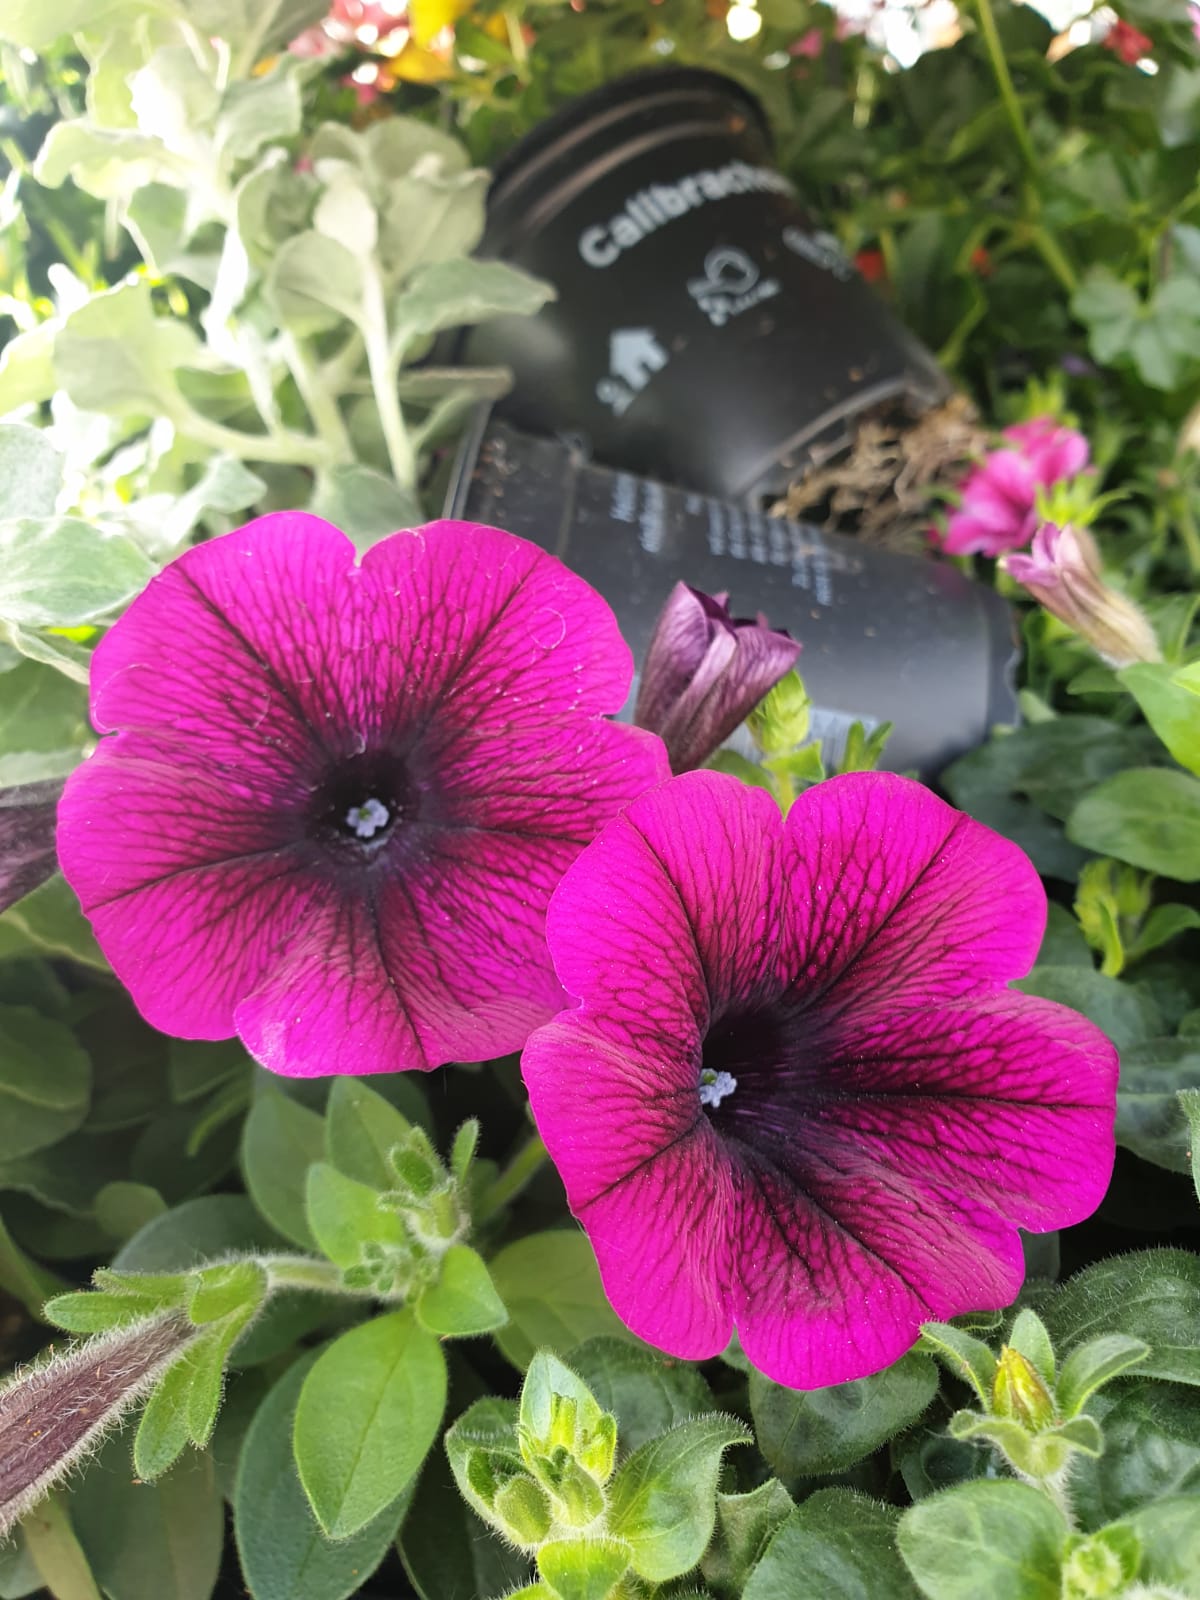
797	1098
341	794
705	671
999	497
1063	571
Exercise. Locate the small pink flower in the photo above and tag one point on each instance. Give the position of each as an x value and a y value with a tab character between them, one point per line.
1063	572
1128	43
998	511
809	44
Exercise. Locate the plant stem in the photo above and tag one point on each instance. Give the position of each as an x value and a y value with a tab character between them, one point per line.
509	1183
303	1272
283	449
383	379
1008	93
321	402
1051	253
1189	534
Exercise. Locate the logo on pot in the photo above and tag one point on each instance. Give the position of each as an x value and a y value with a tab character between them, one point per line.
821	248
634	356
731	284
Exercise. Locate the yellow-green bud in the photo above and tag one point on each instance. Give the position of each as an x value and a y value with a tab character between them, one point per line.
1019	1393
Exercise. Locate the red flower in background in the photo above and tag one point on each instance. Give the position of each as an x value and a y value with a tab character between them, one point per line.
1128	42
871	265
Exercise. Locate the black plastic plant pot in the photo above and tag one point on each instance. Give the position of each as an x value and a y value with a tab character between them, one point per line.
886	637
706	331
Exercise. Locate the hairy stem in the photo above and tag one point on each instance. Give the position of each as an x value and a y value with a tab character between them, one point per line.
382	368
1004	83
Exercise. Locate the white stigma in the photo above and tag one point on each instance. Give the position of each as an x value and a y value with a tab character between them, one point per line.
714	1086
367	819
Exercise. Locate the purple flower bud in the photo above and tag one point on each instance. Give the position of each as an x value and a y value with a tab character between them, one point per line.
52	1414
705	672
1063	572
27	854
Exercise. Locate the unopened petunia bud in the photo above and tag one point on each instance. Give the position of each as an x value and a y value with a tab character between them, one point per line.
705	671
27	854
1018	1391
51	1415
1063	572
522	1510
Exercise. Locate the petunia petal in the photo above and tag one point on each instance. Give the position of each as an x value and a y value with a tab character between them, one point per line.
192	882
683	894
251	646
836	1276
646	1175
522	637
896	898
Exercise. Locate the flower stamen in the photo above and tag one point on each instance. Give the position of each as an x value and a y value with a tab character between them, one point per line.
366	820
715	1086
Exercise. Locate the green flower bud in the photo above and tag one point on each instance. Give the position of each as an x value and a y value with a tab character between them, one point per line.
522	1511
780	721
1019	1393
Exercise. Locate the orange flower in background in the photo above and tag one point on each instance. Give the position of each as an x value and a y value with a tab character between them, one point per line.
1127	42
981	262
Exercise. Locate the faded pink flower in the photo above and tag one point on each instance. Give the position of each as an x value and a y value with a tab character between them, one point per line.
1063	571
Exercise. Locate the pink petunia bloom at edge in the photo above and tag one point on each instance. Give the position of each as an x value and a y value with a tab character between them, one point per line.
999	497
337	795
796	1098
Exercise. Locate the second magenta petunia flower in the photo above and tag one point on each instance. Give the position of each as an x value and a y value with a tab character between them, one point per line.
341	793
797	1098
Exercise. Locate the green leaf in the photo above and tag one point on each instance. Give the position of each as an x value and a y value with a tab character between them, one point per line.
45	1082
281	1140
1093	1364
284	1555
59	572
34	27
447	1551
1124	1011
486	1429
1151	1449
27	367
804	1433
314	283
195	1233
162	1433
31	472
1148	816
1150	1118
361	1127
345	1215
646	1392
463	1301
1170	1535
1189	1105
256	28
746	1523
23	1278
551	1286
162	1539
1002	1539
662	1502
123	1209
367	1415
1029	1338
453	294
1150	1294
1171	709
57	1554
43	724
114	355
583	1569
49	920
364	504
843	1543
19	1576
